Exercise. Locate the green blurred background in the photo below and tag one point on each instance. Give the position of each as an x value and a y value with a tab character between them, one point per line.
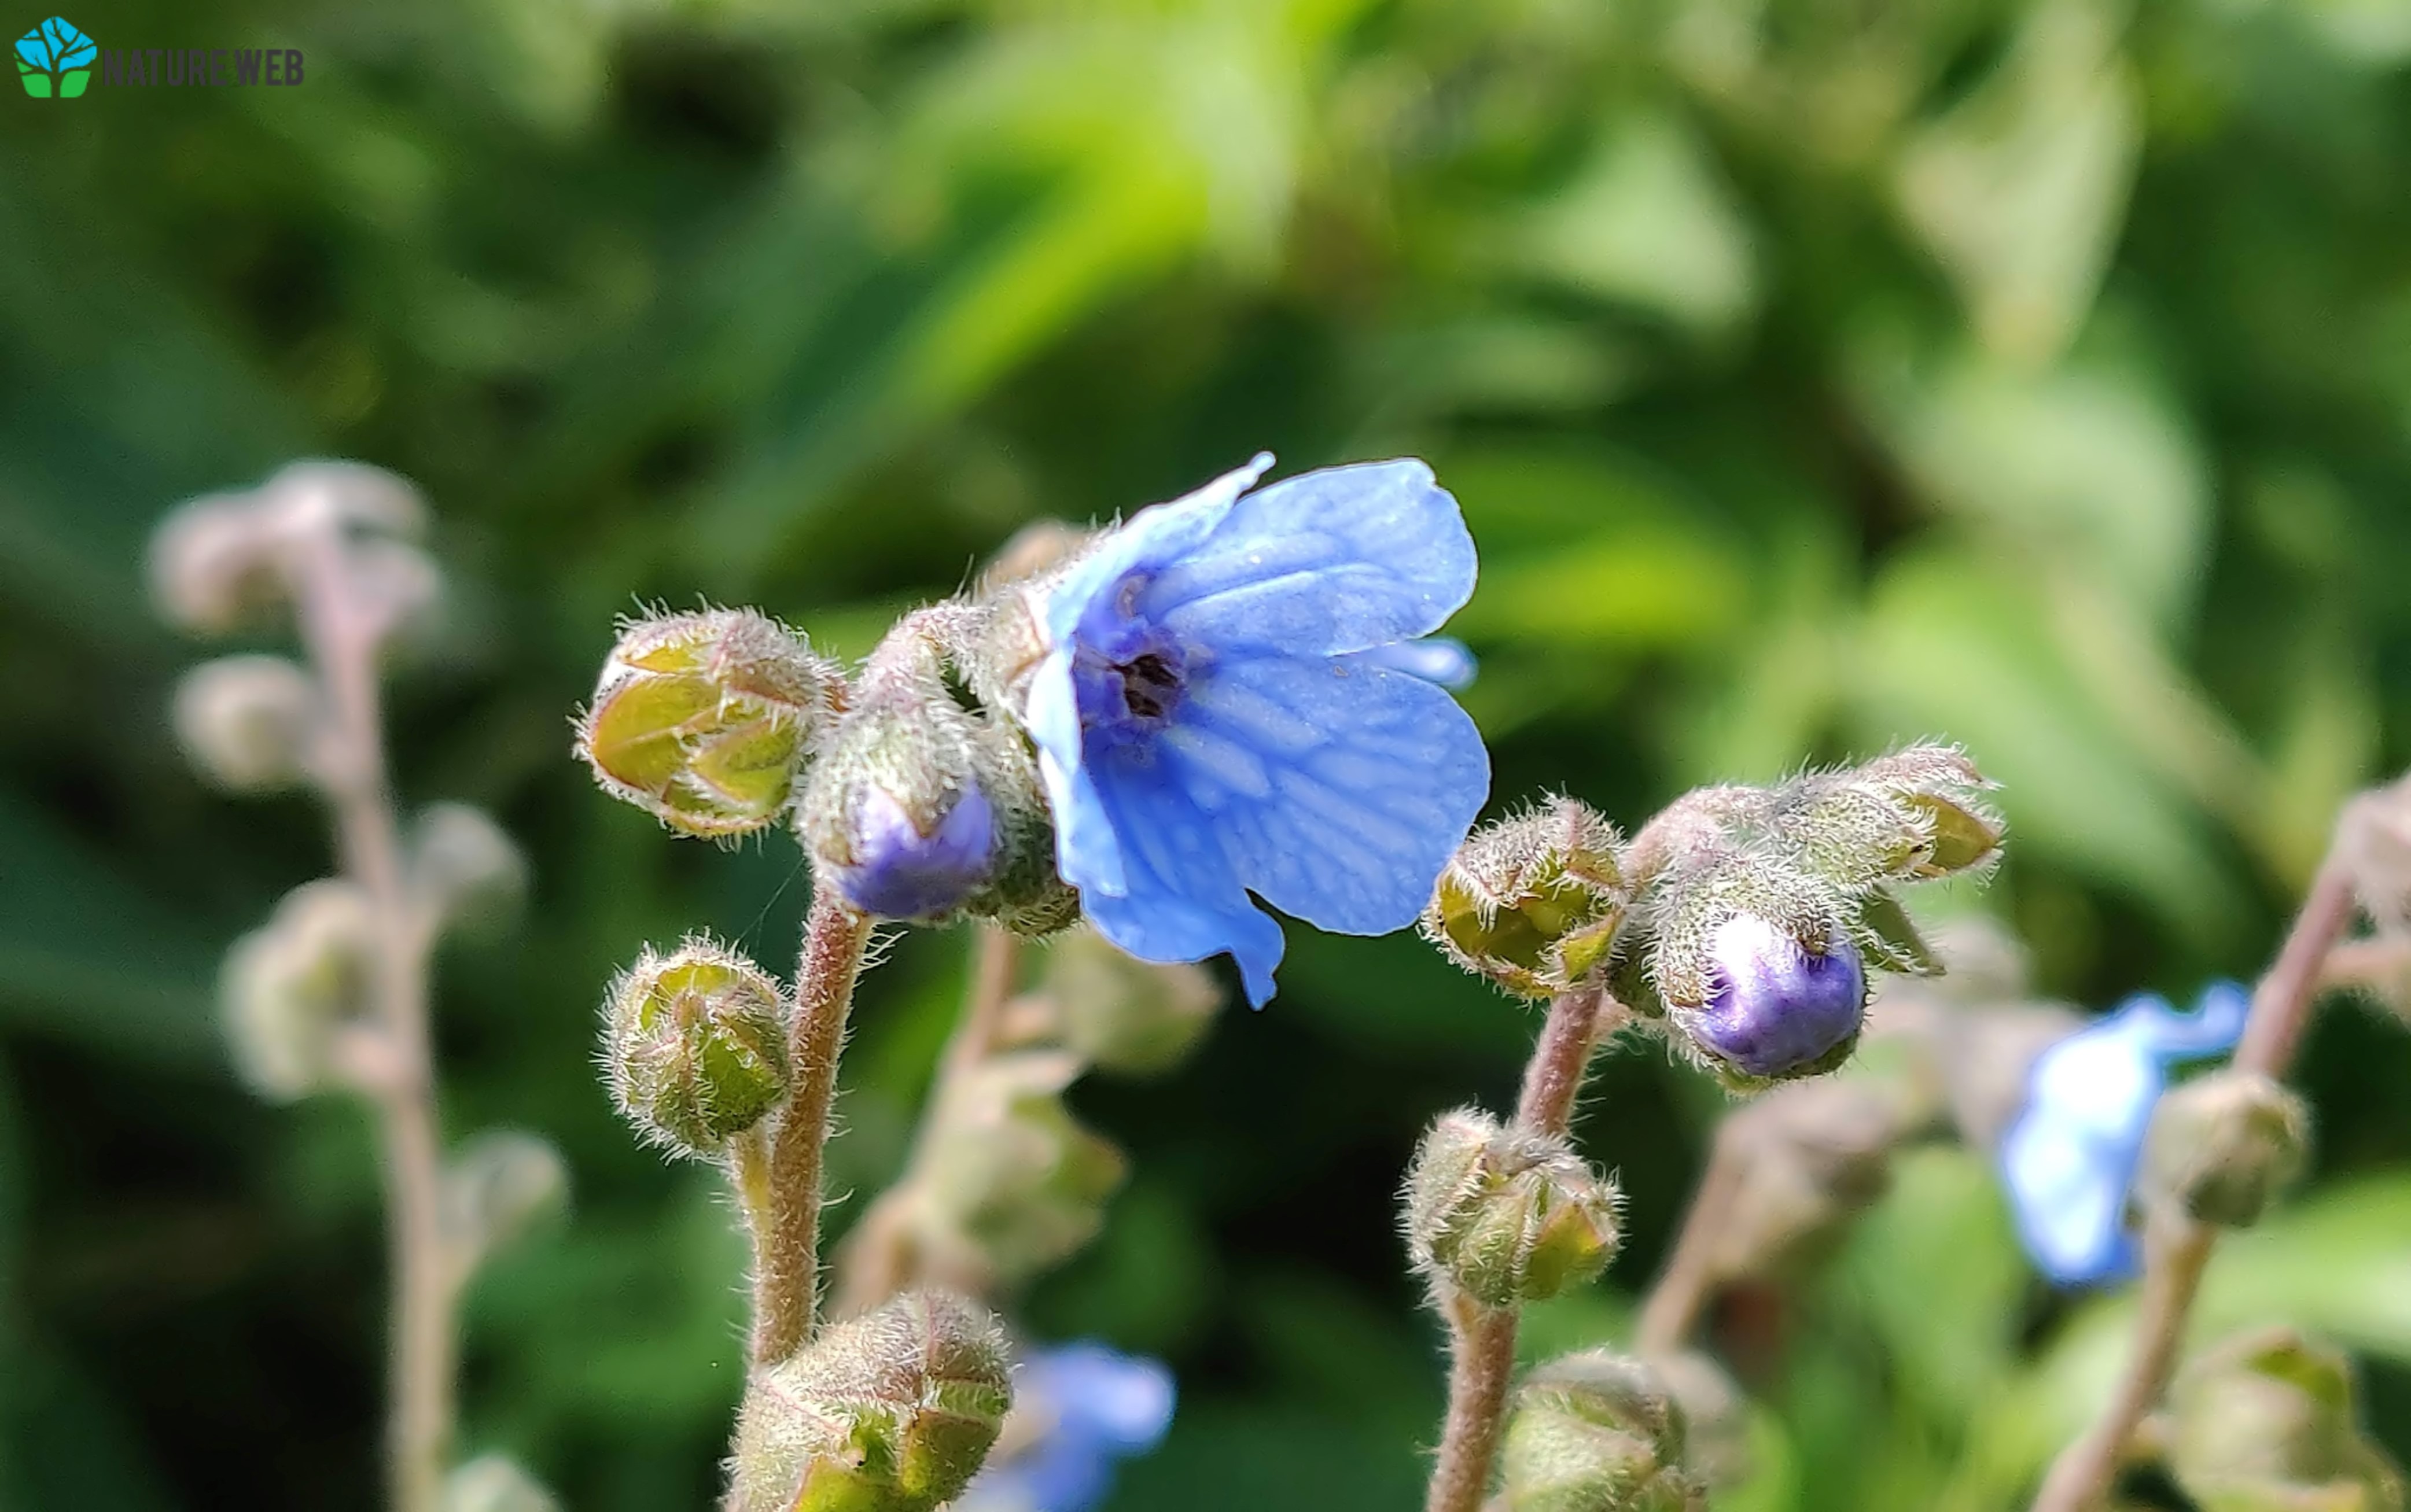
1815	373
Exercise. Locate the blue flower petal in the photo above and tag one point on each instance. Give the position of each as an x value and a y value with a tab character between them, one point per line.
1154	538
1327	562
1179	901
1339	788
1221	709
2068	1162
1437	658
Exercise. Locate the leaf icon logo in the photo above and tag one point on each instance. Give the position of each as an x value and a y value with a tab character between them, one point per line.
55	60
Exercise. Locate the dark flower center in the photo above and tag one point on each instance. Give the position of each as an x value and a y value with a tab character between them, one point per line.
1150	685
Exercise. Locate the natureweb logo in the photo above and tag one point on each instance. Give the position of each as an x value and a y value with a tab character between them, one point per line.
55	60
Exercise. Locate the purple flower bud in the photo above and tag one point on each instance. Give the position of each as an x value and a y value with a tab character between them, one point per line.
1775	1008
899	871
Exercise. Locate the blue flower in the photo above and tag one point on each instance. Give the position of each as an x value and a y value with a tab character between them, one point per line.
2069	1159
1092	1406
1222	710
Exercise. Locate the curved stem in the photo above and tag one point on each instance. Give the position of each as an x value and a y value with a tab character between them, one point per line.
425	1283
787	1229
877	1260
1672	1308
2177	1249
1481	1340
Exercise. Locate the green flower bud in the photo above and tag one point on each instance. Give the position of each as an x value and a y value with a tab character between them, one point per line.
1122	1014
501	1186
1010	1174
1595	1432
1533	902
247	722
706	720
695	1044
1806	1157
466	871
1910	816
292	987
1505	1215
495	1483
894	1411
2266	1422
2221	1147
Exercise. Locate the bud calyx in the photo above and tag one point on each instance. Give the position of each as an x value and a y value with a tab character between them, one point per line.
695	1044
1506	1214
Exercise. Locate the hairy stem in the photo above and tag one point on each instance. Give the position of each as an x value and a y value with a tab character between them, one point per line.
788	1230
1672	1308
342	644
2177	1249
1481	1340
877	1260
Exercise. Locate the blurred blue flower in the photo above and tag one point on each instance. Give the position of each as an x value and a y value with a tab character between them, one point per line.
1093	1406
2069	1159
1222	710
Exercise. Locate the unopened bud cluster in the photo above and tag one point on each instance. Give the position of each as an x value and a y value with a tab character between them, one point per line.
1596	1432
694	1043
1505	1215
894	1411
224	560
929	804
1758	912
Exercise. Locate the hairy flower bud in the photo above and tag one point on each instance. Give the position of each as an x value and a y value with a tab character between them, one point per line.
1009	1172
291	987
1506	1214
2266	1422
1595	1432
1762	910
466	871
1766	999
247	722
1122	1014
501	1186
707	720
894	1411
495	1483
1533	902
2221	1147
925	807
695	1045
1806	1156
